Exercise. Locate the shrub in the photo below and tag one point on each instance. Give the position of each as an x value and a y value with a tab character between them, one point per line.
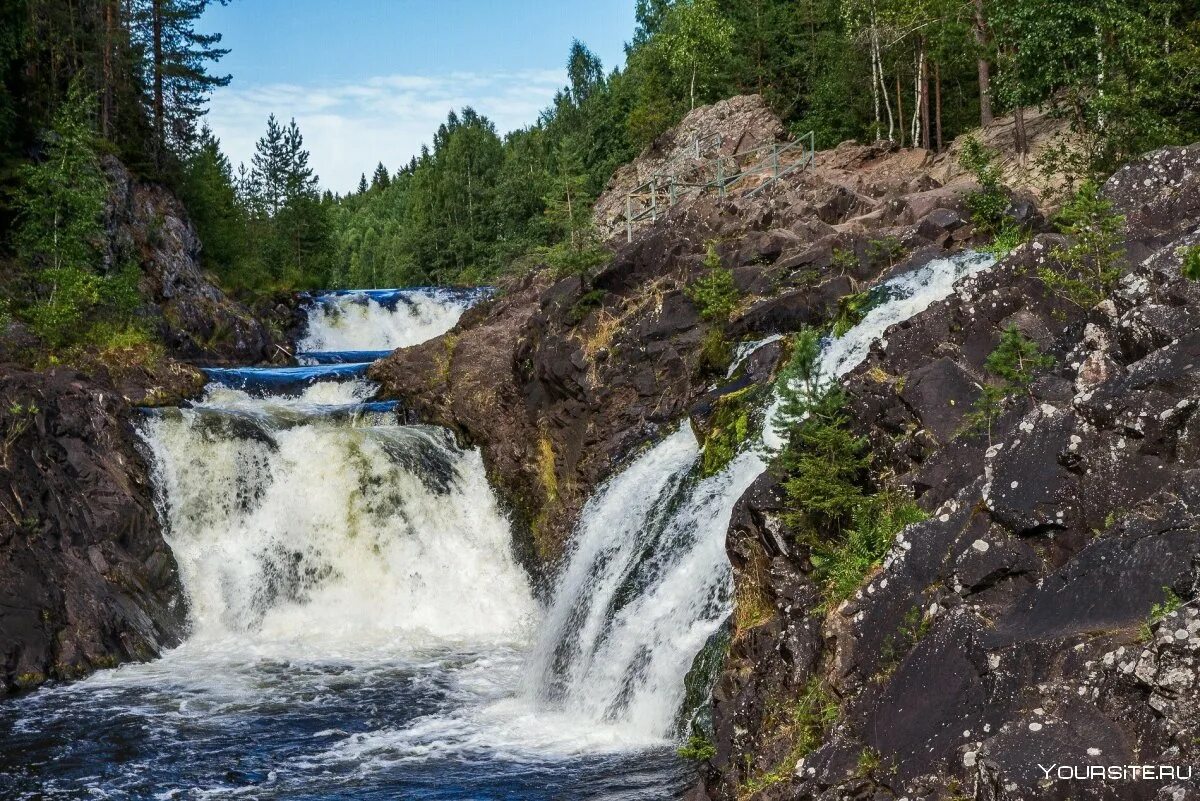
1190	267
1090	267
1015	362
987	206
698	748
729	429
714	293
1159	612
851	309
825	470
886	251
842	565
715	353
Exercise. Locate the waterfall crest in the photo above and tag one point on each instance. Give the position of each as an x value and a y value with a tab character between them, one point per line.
381	319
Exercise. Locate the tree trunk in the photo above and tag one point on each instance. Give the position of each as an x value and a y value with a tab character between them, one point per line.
1019	131
985	69
106	96
926	141
160	137
900	106
692	90
937	91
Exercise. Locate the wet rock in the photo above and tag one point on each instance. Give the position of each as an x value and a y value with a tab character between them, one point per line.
86	579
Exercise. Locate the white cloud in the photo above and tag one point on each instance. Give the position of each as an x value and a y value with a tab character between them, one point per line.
349	127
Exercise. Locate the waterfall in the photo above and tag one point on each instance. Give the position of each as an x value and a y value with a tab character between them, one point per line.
301	514
380	319
894	301
359	625
647	581
342	531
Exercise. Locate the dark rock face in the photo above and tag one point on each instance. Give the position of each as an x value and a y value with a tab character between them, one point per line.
86	580
557	384
195	319
1016	625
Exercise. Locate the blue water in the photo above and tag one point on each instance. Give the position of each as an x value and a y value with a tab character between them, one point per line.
262	381
283	729
340	356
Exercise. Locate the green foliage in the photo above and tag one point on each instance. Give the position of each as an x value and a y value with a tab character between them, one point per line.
1088	269
582	307
716	351
1015	362
728	431
1190	263
851	310
70	299
1160	611
714	292
824	466
696	37
61	197
1008	239
988	204
698	749
844	260
842	565
911	630
884	252
806	723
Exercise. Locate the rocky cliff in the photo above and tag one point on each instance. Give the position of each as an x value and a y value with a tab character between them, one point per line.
86	579
558	381
1031	619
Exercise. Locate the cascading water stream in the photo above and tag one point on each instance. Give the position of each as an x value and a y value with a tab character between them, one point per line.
647	582
359	625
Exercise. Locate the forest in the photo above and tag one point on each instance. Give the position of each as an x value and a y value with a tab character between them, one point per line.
87	80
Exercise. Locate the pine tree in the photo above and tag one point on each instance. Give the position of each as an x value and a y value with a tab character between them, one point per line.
178	81
268	171
381	179
362	185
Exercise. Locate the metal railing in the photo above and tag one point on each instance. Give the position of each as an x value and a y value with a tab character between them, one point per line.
773	161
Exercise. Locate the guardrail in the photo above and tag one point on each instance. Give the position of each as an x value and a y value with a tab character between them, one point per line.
774	160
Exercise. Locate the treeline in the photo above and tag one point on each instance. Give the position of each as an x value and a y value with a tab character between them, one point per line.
475	201
79	80
1125	73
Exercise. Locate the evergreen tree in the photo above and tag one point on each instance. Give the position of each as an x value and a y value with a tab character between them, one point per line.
269	170
381	179
178	80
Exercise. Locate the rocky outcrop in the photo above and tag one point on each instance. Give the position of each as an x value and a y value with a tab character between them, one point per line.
733	126
558	381
1032	618
193	317
86	580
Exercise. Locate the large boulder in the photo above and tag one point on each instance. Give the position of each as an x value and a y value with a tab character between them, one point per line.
86	579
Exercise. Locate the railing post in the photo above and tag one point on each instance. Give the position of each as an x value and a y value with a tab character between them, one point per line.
653	201
720	176
628	218
775	160
671	191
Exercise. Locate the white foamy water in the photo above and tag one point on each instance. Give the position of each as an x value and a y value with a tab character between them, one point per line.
360	627
646	585
905	296
327	533
381	320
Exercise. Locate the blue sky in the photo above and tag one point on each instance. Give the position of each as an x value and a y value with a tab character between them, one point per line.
370	80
